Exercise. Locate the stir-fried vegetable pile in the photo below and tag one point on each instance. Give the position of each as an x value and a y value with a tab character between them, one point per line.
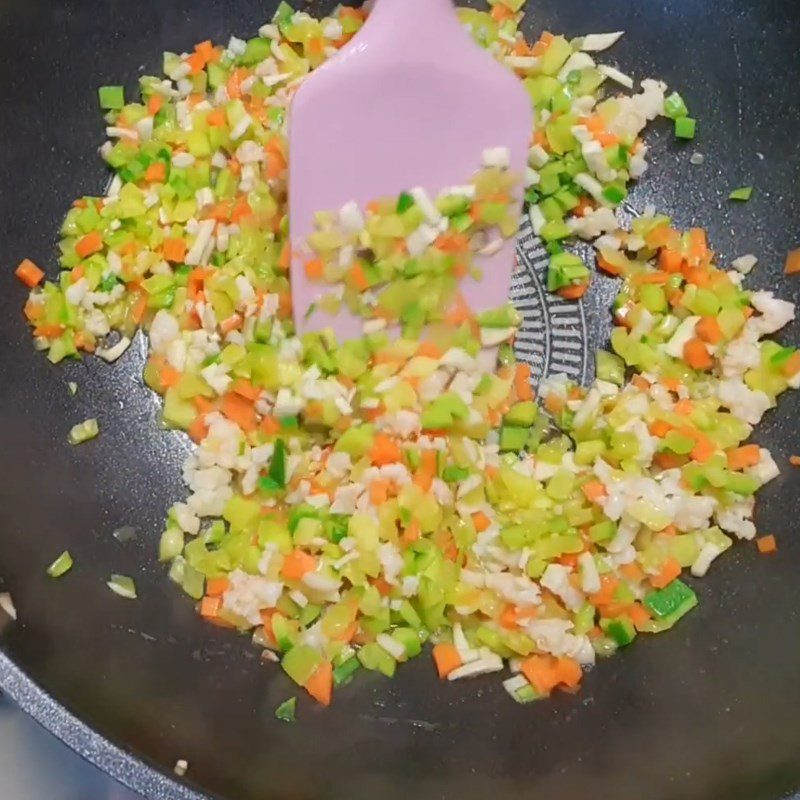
350	502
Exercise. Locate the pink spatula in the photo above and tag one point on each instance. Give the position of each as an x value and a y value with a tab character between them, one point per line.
411	101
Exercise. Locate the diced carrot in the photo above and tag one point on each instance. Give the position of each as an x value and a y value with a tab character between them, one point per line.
168	376
320	684
453	243
426	472
766	544
358	278
607	266
412	532
639	615
382	585
29	273
216	118
196	63
174	249
206	51
545	672
459	312
89	244
429	350
522	382
673	384
703	449
378	492
574	292
234	84
203	404
509	618
233	323
698	244
632	572
608	588
670	570
154	104
606	139
315	269
245	389
585	205
662	236
748	455
198	429
792	365
285	258
270	426
792	266
480	521
384	451
668	460
48	331
696	355
216	587
794	461
684	407
297	564
239	410
447	658
210	606
670	261
699	276
156	172
708	330
595	491
139	308
240	210
554	403
276	165
501	13
641	383
659	427
33	311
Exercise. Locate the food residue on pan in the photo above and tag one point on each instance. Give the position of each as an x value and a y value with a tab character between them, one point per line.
350	502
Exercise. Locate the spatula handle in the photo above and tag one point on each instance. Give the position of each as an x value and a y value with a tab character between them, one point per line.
426	11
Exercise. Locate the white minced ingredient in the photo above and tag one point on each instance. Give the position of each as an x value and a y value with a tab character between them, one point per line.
465	652
7	605
248	595
499	157
775	313
537	219
181	767
737	519
595	42
426	205
538	156
421	239
350	218
486	663
182	160
556	579
739	356
766	470
391	646
205	231
576	61
742	401
616	75
685	332
708	552
744	264
111	354
590	577
697	159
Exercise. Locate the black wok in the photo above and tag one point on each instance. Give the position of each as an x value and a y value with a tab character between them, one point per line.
707	711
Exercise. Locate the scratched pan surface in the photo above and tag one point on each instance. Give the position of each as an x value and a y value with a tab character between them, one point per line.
705	712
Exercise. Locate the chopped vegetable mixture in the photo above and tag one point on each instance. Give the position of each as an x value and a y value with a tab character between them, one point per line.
350	502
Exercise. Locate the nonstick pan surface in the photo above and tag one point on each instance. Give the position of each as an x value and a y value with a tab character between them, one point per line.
707	711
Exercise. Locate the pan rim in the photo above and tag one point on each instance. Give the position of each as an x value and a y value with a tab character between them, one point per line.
124	767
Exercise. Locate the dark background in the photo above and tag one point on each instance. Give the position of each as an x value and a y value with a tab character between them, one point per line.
708	711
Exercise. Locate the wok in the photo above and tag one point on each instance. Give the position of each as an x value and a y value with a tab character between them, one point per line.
707	711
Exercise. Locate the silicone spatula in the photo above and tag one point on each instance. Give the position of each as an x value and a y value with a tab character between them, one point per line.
410	102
